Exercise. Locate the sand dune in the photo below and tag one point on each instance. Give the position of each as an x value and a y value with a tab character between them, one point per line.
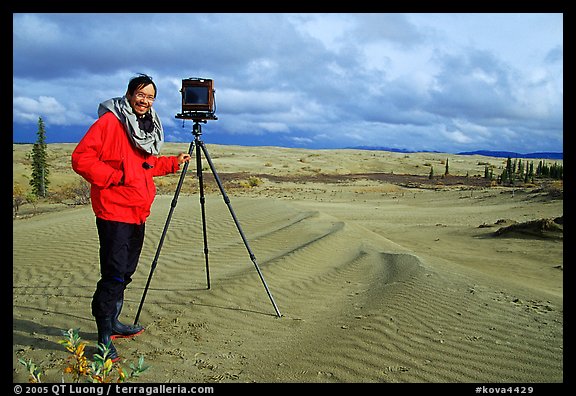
375	283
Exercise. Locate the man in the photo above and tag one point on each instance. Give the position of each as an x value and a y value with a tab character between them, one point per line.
119	156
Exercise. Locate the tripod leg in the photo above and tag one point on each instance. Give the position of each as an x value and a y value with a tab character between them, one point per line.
227	201
168	219
202	201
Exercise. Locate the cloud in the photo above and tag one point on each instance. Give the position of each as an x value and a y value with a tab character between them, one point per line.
420	81
27	109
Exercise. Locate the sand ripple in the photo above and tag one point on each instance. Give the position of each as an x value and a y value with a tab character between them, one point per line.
356	307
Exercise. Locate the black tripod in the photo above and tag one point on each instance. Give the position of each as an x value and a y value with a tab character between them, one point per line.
199	144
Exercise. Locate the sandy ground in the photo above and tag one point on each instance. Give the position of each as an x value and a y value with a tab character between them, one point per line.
377	279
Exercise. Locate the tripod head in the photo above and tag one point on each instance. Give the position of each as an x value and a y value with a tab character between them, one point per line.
197	128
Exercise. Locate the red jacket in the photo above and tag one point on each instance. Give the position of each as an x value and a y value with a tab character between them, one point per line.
120	174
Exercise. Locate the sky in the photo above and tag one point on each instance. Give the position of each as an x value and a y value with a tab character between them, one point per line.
448	82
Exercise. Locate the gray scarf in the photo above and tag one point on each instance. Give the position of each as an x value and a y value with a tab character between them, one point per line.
150	142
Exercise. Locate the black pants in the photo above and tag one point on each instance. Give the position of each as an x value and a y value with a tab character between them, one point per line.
120	247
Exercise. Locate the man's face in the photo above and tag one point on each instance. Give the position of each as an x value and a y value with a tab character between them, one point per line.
142	99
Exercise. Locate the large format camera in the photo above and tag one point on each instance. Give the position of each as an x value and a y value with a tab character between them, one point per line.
197	99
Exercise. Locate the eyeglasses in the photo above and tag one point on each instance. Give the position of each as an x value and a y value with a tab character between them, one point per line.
142	96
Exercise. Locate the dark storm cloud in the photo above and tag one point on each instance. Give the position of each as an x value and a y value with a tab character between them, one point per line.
311	80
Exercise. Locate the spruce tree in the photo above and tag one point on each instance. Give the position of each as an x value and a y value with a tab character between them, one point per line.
40	171
509	173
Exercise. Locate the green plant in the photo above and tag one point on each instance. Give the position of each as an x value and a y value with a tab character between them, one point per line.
34	371
100	370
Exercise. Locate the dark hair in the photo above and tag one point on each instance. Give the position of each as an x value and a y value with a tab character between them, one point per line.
141	81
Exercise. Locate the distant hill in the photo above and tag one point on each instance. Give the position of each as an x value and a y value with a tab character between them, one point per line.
391	149
488	153
511	154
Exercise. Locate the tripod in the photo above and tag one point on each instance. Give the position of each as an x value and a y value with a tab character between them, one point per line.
199	144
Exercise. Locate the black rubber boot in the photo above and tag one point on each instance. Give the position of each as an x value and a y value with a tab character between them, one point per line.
121	330
104	324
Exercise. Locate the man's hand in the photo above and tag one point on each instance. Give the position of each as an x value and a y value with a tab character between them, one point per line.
183	157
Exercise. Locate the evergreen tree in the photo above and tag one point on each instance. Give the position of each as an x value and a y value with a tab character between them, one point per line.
446	172
40	171
504	176
556	171
539	169
509	174
431	174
